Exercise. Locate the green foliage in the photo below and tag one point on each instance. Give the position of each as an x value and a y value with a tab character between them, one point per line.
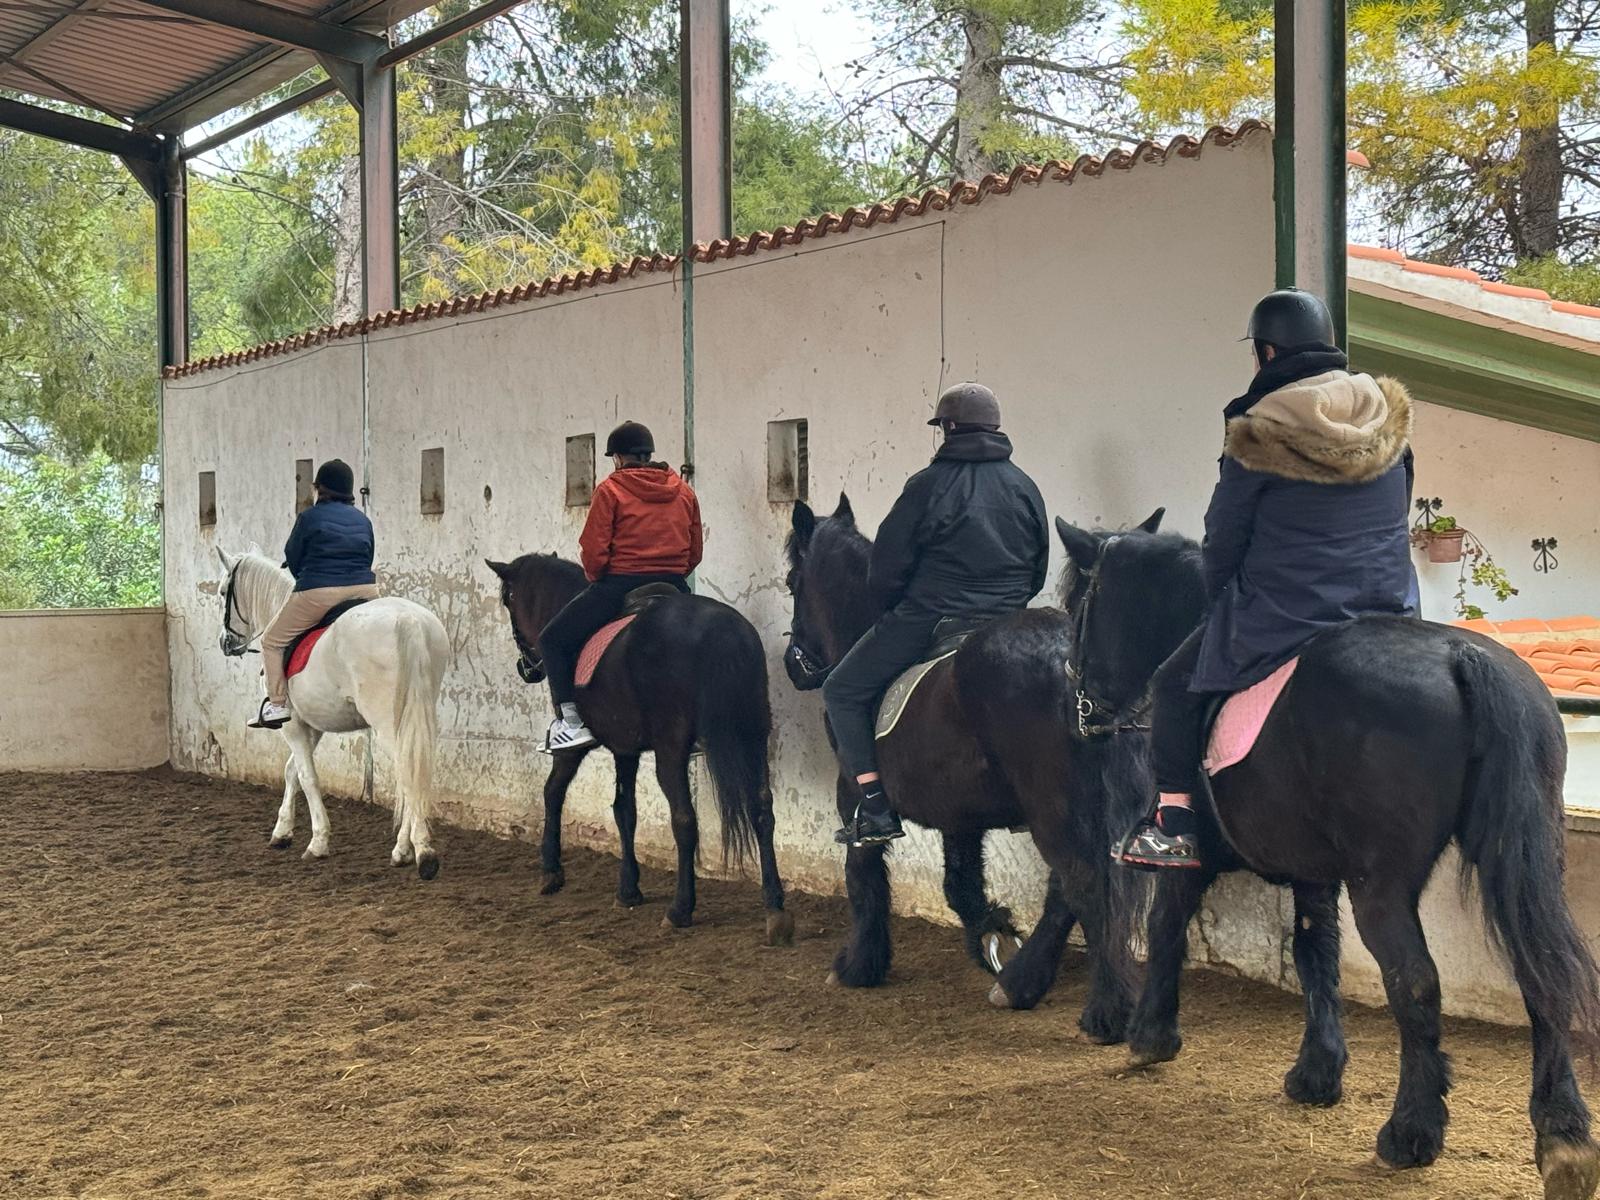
1577	282
78	536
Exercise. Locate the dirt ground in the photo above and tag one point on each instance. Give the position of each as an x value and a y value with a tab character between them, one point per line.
185	1013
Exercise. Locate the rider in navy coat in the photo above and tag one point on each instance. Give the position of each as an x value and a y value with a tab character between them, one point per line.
1307	529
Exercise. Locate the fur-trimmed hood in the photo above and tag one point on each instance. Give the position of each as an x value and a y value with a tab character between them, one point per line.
1330	428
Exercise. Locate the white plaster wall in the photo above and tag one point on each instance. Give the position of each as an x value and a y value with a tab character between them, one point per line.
248	424
1510	484
84	690
501	393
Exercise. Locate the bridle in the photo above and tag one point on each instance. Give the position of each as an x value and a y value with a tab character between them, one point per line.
234	643
806	669
1096	718
530	663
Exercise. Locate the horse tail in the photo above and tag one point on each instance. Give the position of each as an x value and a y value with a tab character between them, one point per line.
1511	829
416	721
735	723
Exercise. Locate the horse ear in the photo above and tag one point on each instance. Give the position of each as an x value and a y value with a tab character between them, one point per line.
1083	548
1152	523
844	512
499	568
803	521
227	560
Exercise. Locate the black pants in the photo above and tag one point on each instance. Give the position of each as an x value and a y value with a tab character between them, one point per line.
563	639
1176	738
896	642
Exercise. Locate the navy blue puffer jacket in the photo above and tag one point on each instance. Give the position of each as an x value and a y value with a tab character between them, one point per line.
331	546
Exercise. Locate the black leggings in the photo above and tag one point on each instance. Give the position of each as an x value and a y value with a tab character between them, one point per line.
1176	739
563	639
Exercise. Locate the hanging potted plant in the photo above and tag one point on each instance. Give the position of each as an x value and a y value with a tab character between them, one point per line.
1436	534
1445	541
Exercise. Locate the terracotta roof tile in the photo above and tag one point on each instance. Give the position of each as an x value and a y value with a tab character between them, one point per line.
1376	254
829	224
1568	663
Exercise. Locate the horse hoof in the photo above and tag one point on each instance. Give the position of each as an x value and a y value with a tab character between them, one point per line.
999	949
1409	1146
427	864
780	929
281	843
552	883
1140	1057
313	852
998	997
673	922
1571	1170
833	979
633	901
396	859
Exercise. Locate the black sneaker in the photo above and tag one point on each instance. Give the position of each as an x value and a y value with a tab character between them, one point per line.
870	829
1149	848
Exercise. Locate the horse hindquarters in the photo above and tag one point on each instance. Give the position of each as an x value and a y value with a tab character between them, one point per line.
410	730
1511	831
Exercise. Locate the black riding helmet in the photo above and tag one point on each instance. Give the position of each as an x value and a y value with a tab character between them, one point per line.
337	479
630	438
1288	318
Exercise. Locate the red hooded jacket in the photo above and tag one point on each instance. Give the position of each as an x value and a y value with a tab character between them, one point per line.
642	521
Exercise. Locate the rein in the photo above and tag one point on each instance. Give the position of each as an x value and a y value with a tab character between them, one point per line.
1096	718
530	663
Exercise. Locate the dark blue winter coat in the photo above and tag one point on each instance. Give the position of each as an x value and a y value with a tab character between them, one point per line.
1308	526
331	546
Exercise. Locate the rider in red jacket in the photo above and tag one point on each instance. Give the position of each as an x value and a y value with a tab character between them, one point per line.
643	528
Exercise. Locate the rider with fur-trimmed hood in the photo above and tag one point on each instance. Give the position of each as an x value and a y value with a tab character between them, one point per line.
1307	529
968	538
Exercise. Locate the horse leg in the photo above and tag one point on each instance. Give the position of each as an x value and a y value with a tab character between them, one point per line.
1563	1150
283	831
863	961
625	810
1387	919
303	741
1153	1035
672	773
1318	1074
1032	972
780	924
563	767
989	931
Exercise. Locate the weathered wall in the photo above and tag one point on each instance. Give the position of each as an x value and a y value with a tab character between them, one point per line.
249	424
84	691
1105	312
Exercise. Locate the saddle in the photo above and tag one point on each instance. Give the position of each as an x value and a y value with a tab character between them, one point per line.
298	652
1235	722
948	636
634	604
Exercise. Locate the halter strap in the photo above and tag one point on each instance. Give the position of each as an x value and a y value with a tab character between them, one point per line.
1095	718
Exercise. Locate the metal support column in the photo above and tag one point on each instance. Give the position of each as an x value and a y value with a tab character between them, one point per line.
171	195
380	191
705	126
1312	49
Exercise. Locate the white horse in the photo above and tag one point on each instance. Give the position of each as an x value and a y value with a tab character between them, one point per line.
379	667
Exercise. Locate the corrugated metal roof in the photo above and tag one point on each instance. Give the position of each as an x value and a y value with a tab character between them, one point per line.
151	67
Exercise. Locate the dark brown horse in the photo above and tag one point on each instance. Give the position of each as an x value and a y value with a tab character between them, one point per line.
1394	738
689	671
986	742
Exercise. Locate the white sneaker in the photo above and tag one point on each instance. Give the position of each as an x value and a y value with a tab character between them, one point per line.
271	716
565	735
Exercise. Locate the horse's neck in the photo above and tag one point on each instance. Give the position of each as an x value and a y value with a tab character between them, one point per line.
265	588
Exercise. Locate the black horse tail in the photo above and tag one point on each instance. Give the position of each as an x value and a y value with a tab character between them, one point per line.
735	723
1511	829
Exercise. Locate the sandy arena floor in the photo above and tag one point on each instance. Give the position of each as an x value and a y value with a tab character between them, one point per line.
185	1013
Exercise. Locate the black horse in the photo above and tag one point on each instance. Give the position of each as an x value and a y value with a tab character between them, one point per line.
688	671
1393	738
985	743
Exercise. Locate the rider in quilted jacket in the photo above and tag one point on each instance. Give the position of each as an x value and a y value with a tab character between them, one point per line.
643	528
968	538
1307	529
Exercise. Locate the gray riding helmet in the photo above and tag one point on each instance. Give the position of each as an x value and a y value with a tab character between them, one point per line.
1288	318
967	404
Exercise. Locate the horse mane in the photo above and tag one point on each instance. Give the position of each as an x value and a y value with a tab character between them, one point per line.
551	567
1164	559
260	585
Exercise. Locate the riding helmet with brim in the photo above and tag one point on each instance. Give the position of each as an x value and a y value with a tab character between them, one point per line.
630	438
967	404
1288	318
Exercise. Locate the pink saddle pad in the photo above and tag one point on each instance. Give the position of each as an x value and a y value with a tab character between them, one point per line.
595	648
1242	716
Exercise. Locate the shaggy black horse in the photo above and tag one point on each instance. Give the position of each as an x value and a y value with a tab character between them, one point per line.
984	743
1394	738
688	671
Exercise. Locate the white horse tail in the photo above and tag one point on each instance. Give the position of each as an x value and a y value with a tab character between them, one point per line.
416	736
